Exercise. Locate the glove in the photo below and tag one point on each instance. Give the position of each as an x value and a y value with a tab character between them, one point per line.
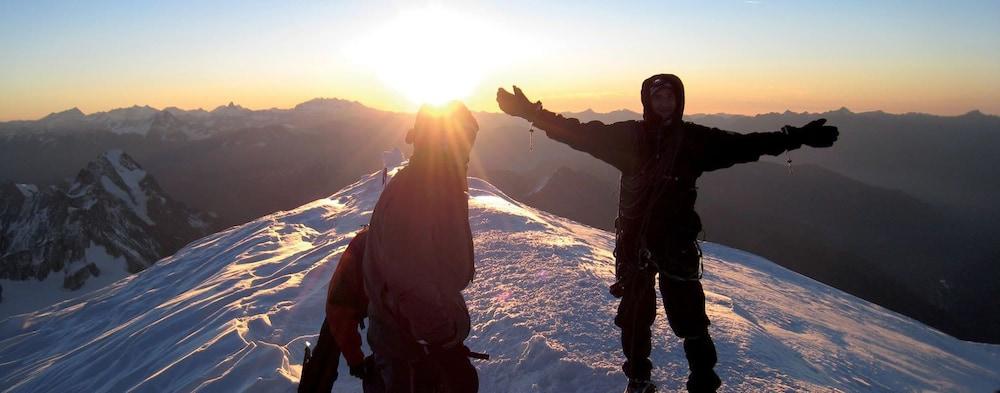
814	134
517	104
359	371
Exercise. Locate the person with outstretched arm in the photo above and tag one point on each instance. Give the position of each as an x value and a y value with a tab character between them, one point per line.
660	158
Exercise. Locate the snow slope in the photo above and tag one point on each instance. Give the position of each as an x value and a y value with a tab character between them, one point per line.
232	311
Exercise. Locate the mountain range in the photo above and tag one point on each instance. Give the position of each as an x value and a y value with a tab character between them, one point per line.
234	162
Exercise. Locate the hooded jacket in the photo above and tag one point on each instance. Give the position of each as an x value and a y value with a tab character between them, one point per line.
660	163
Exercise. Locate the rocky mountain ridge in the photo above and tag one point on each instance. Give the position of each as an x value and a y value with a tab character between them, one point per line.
112	220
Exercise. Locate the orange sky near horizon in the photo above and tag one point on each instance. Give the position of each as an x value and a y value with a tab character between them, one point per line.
705	94
732	57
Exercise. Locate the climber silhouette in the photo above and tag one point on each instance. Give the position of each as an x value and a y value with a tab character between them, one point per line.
346	306
660	158
419	258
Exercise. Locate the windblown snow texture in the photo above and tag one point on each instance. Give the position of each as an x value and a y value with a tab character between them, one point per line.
232	312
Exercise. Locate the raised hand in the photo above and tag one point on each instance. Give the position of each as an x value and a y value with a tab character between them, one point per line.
517	104
814	134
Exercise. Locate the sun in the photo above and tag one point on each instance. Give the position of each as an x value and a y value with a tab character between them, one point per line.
429	55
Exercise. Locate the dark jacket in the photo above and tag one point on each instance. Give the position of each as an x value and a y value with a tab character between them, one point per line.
418	260
346	306
660	165
346	302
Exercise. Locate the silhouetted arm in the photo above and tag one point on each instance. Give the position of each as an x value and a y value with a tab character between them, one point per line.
612	143
343	323
346	301
724	149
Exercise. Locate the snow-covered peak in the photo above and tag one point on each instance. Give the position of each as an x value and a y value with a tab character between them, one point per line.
132	120
165	119
173	123
28	190
842	111
122	162
68	119
134	112
232	312
230	110
114	175
181	112
326	105
120	176
73	113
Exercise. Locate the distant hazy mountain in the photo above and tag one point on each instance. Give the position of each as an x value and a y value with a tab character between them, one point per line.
111	221
594	199
232	161
942	159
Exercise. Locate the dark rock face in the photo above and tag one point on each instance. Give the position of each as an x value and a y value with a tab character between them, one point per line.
112	216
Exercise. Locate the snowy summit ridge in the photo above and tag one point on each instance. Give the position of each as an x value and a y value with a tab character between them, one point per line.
232	311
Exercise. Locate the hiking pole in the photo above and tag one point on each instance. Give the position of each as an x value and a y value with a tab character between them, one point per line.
475	355
479	356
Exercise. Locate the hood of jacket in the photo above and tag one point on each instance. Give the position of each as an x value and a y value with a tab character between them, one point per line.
648	115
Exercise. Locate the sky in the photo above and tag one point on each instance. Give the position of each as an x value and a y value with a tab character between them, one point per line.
742	57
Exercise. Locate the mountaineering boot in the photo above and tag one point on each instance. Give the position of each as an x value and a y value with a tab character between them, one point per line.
703	382
701	357
640	386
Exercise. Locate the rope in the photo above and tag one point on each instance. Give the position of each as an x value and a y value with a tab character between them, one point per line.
658	188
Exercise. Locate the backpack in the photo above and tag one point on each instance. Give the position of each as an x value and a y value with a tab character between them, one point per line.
418	259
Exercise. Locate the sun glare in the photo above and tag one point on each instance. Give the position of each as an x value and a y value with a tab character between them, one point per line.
429	55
